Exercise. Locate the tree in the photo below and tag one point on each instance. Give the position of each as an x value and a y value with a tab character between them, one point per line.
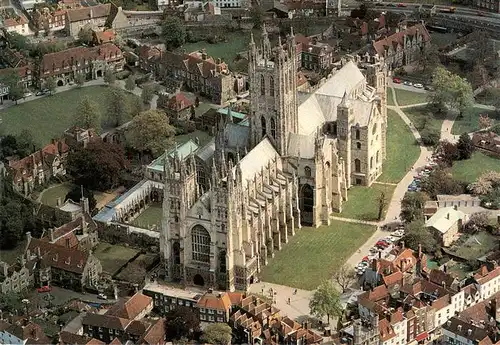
80	79
465	146
440	181
417	234
382	203
412	206
86	35
11	302
325	301
18	41
477	222
257	16
98	166
450	90
21	145
173	32
428	58
449	152
485	183
16	92
50	84
429	137
478	76
136	106
480	47
130	83
117	109
109	76
151	132
485	121
344	276
13	81
75	194
181	322
87	114
217	334
192	113
147	93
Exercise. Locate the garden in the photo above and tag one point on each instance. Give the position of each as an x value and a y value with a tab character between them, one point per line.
114	257
469	121
405	97
470	169
472	247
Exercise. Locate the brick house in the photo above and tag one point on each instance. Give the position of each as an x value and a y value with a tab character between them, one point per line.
135	308
487	141
90	61
403	47
178	107
148	58
445	224
200	73
315	56
25	79
62	266
22	332
16	277
38	167
214	307
94	17
80	233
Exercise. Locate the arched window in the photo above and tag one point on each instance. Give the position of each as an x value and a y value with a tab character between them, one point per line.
358	135
307	199
371	162
200	239
271	86
374	130
263	125
176	252
273	128
262	85
222	261
376	156
358	145
357	165
307	172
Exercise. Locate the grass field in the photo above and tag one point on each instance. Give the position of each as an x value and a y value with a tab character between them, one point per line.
113	257
402	149
474	246
363	201
470	121
48	117
469	170
312	255
150	218
405	97
423	118
49	196
390	99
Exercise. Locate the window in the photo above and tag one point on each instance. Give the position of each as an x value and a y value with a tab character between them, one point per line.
358	145
371	162
180	302
263	125
219	312
307	171
202	310
377	156
374	130
358	134
210	311
273	128
220	319
357	165
271	86
211	318
202	317
200	239
262	85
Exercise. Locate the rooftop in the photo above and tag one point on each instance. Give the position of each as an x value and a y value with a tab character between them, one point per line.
191	294
444	219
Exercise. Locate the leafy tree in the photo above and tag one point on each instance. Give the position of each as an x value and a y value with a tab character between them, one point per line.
16	92
325	301
86	35
344	276
257	16
465	146
217	334
50	84
13	81
173	32
449	152
75	194
429	137
80	79
109	77
412	206
18	42
382	204
130	83
416	233
151	132
136	106
98	166
450	90
477	222
440	181
118	109
21	145
478	76
428	58
11	302
485	121
87	114
392	19
181	322
147	93
480	47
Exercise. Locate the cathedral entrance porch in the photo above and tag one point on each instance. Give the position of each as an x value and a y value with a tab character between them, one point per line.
198	280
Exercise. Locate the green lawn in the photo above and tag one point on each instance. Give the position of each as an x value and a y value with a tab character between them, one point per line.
390	99
405	97
474	246
312	255
49	196
113	257
363	201
150	218
469	170
402	149
422	118
50	116
470	120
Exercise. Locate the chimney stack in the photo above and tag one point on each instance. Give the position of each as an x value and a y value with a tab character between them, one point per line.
59	202
402	245
419	250
28	236
84	223
51	234
374	265
5	268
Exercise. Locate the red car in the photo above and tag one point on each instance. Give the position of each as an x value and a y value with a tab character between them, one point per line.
401	5
382	244
396	80
44	289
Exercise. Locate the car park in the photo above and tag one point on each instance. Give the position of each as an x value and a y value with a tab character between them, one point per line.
418	85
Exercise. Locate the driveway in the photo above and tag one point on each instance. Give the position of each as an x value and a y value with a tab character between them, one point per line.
59	296
406	87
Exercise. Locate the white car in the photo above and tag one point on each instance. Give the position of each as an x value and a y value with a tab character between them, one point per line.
102	296
418	85
27	94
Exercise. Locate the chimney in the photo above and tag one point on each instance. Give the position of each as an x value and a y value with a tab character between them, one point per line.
402	245
459	328
374	265
444	284
28	254
84	203
469	332
403	265
38	253
51	234
203	54
419	250
59	202
28	236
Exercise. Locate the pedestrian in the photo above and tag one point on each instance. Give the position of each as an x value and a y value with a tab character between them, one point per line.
295	291
289	300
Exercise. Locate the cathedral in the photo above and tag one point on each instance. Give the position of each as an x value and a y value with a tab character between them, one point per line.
230	205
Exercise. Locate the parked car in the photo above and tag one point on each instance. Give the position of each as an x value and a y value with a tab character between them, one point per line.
27	94
45	288
396	80
418	85
102	296
401	5
480	14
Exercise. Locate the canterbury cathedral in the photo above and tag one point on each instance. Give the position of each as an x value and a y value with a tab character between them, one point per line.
230	205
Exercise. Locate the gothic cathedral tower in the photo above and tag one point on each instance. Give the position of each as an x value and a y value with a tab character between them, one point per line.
273	91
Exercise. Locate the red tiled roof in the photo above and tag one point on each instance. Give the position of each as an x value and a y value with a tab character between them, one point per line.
396	277
87	13
10	22
179	102
71	260
484	275
147	52
386	331
398	38
194	63
155	335
218	302
235	297
131	308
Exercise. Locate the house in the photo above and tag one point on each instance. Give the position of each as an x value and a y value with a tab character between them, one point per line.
446	280
16	277
403	47
135	308
80	233
199	11
148	57
102	37
167	298
445	224
487	141
458	332
487	280
22	332
178	107
38	167
94	17
79	137
23	73
315	56
62	266
17	24
67	338
214	307
92	62
46	18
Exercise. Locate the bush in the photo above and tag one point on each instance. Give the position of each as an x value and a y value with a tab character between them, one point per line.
430	137
122	75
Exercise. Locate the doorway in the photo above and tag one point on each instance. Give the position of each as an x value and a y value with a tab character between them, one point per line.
198	280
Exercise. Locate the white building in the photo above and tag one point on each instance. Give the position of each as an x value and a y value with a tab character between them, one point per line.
458	332
18	25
